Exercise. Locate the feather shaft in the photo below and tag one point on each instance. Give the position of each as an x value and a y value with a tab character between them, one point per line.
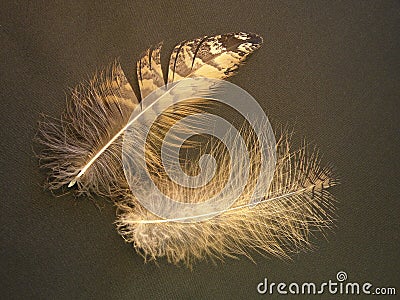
249	205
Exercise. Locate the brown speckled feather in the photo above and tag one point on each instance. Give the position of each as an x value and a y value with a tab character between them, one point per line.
213	57
99	111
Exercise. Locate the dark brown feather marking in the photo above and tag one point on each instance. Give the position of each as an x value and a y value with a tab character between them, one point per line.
176	58
197	49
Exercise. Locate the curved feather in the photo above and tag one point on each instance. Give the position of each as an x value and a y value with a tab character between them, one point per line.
297	204
84	147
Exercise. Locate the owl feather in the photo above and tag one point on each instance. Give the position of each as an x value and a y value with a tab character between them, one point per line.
83	148
295	206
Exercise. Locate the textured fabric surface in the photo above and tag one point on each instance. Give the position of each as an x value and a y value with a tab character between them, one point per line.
330	70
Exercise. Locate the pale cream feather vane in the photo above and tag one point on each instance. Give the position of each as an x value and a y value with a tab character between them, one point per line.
296	205
83	151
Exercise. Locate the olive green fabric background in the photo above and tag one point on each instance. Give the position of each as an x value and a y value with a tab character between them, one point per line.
328	69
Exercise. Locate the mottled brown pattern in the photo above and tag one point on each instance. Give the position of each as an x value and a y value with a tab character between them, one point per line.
212	57
149	71
121	87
